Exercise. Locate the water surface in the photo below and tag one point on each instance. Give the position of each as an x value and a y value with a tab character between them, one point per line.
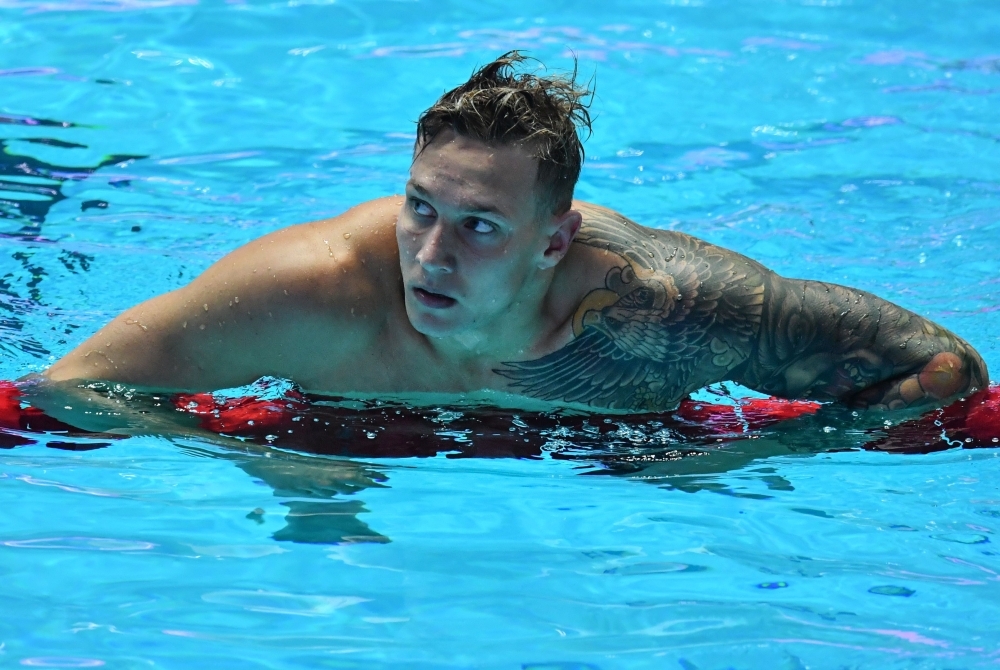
845	141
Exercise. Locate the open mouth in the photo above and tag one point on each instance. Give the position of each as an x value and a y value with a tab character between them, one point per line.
433	300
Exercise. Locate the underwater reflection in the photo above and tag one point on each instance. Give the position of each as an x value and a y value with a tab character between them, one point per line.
324	517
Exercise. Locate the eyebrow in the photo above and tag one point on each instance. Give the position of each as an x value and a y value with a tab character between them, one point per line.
470	207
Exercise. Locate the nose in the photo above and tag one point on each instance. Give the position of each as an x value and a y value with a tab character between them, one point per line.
434	255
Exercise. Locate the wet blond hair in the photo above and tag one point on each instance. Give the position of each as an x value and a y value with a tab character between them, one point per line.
499	105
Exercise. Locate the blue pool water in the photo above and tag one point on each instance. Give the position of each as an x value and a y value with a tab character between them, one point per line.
855	142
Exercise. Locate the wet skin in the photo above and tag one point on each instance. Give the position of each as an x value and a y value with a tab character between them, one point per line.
469	282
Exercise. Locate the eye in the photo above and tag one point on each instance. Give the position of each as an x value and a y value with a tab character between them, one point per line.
421	208
481	227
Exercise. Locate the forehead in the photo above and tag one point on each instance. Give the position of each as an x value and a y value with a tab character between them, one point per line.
464	169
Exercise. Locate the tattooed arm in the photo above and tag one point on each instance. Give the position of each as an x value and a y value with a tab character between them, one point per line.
831	342
675	314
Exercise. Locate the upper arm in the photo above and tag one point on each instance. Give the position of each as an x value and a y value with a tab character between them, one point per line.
200	336
833	342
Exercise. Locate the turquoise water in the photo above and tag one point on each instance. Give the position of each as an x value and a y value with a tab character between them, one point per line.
847	141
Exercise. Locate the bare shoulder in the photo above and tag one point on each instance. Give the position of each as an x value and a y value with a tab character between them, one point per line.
331	274
307	255
669	314
605	228
696	277
268	307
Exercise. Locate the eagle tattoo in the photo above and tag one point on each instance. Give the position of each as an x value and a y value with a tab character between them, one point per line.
675	315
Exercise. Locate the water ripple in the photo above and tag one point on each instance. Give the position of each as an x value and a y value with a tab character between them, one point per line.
62	662
282	603
81	544
33	6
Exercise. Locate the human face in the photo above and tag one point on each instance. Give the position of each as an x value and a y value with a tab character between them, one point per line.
470	234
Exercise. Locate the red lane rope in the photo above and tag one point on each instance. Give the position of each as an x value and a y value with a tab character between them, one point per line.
972	421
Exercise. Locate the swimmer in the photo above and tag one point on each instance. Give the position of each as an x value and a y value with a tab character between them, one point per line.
488	275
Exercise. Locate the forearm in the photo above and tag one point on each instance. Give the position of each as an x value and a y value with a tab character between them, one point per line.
99	407
831	342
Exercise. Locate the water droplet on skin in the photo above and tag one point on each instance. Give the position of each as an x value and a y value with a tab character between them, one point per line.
236	300
903	345
205	306
347	236
201	327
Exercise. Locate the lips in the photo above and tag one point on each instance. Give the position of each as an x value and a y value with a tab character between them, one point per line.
433	300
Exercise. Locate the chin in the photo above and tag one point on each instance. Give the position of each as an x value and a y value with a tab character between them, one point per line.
434	324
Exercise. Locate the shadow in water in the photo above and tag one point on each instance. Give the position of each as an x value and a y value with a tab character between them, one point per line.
321	518
29	187
328	522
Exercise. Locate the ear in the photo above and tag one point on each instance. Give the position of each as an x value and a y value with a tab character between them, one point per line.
564	228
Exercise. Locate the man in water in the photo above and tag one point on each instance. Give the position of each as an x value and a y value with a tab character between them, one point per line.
487	275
